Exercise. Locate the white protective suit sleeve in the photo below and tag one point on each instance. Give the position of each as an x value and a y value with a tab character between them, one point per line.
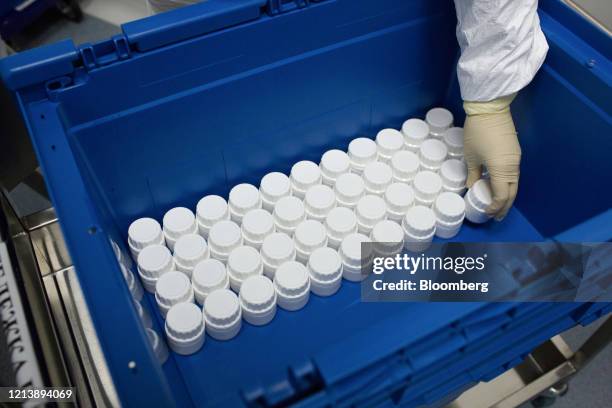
502	47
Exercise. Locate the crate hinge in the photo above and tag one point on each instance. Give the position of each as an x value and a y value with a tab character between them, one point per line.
105	52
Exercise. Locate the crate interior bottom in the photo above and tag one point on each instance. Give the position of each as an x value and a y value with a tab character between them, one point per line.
261	356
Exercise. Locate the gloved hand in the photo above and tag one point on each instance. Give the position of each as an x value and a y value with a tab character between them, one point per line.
491	140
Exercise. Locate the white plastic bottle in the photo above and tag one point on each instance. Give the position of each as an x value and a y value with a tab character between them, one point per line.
399	197
389	141
223	238
222	314
153	262
339	223
210	210
438	119
188	251
450	212
242	199
405	166
377	176
454	175
289	212
208	276
370	210
433	152
243	262
355	260
453	139
177	222
334	163
415	132
309	235
258	300
272	188
172	288
142	233
427	186
277	249
362	151
256	226
319	201
325	269
419	226
349	189
185	328
387	238
292	285
477	200
304	174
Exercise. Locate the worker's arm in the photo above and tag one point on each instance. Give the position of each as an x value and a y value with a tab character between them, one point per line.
502	48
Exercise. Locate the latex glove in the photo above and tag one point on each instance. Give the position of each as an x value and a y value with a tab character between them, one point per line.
491	140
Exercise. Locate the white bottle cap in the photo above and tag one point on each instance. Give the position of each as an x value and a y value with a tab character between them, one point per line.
389	141
177	222
157	344
210	210
304	174
153	262
349	189
185	328
453	138
142	233
399	197
405	165
480	194
427	185
340	222
276	249
450	212
387	231
309	235
256	226
415	132
333	164
325	270
419	223
319	201
272	188
354	258
432	154
222	314
242	199
172	287
388	238
438	119
377	176
258	300
243	262
144	316
370	210
208	276
288	213
188	251
292	285
361	152
224	237
454	175
477	199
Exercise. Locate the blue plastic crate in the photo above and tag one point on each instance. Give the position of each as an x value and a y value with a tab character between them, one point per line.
194	101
